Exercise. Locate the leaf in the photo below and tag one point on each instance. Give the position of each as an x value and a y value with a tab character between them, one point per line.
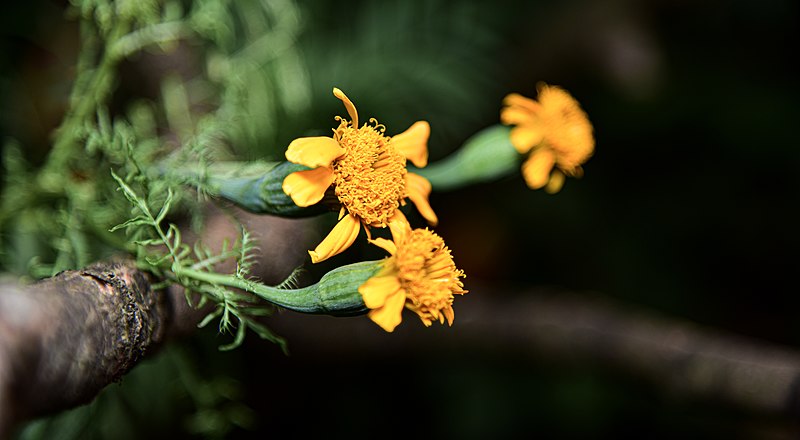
264	333
131	195
136	221
165	208
240	333
210	317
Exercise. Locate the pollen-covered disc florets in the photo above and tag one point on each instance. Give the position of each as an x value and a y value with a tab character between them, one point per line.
567	129
369	178
420	276
556	132
428	275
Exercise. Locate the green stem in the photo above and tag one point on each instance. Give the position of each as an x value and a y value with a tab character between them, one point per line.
487	155
335	294
160	33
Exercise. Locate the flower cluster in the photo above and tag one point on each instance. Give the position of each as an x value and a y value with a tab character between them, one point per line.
362	172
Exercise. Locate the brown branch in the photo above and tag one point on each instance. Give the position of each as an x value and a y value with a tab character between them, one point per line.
63	339
69	336
675	356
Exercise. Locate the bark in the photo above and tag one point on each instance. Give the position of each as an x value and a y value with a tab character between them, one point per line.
677	357
62	340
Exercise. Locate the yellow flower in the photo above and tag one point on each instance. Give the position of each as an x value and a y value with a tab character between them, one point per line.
556	129
366	172
419	274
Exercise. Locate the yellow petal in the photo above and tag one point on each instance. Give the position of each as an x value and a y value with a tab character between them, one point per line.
536	170
376	289
525	137
516	116
517	100
319	151
413	143
308	187
449	314
387	245
399	226
555	183
418	189
390	315
340	238
348	104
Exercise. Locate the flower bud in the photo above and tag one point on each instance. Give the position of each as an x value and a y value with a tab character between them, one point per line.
335	294
259	193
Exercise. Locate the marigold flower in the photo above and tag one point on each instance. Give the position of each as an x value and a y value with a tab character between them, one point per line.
366	172
555	130
419	275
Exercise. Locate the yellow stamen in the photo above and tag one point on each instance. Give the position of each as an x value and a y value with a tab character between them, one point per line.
425	272
369	178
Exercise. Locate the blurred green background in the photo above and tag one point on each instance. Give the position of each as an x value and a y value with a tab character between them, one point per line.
688	206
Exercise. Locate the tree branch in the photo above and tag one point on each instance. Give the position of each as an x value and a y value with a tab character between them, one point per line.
677	357
63	339
69	336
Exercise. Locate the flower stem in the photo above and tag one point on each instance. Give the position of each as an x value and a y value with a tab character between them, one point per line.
335	294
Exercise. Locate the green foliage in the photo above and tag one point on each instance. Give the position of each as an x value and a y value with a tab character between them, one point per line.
241	87
61	216
182	264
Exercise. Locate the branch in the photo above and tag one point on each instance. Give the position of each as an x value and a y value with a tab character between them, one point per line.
677	357
63	339
69	336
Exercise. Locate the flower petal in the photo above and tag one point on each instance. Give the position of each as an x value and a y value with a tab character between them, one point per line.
390	315
376	289
525	137
399	226
418	189
516	116
318	151
308	187
348	104
555	183
449	314
517	100
340	238
387	245
536	170
413	143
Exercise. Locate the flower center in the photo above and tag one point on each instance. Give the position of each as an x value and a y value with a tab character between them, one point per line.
428	275
569	131
369	178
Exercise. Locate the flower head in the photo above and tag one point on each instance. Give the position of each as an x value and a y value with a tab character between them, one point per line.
556	132
365	171
419	275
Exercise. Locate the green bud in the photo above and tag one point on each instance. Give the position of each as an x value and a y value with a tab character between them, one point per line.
487	155
335	294
258	187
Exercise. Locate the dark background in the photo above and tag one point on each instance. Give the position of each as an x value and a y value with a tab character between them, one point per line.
687	208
